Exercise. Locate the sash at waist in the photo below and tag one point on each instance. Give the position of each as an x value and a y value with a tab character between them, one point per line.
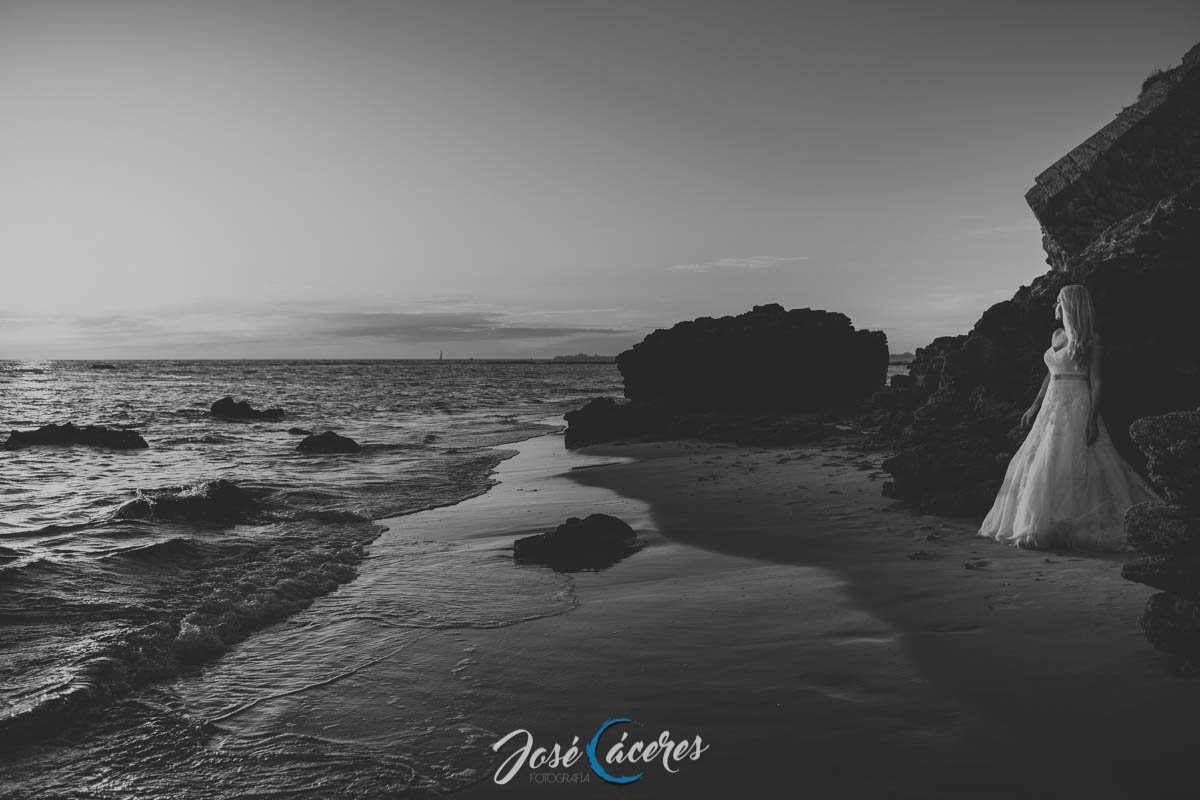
1069	375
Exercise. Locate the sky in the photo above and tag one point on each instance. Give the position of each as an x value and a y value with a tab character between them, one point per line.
527	178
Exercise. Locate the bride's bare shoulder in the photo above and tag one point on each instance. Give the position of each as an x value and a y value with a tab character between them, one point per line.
1058	337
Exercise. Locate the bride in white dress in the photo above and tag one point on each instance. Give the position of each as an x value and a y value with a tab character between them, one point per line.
1067	486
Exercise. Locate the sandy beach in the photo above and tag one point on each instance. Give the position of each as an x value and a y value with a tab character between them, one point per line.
330	324
820	639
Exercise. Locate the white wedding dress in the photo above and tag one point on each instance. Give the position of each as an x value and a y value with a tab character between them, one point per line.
1059	492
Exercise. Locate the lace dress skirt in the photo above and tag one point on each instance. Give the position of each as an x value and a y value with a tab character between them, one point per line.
1059	492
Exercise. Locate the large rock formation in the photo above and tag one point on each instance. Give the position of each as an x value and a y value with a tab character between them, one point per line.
957	425
765	359
1170	534
90	435
749	378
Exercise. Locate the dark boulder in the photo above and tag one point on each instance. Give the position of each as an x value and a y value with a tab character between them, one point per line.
1179	575
593	543
1162	529
228	408
1172	624
328	442
102	366
1171	443
90	435
209	501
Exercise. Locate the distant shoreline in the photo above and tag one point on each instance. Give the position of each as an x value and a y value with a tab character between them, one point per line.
555	360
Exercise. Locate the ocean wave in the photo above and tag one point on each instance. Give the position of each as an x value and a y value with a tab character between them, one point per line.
282	578
171	551
208	438
26	565
393	447
324	515
52	529
189	413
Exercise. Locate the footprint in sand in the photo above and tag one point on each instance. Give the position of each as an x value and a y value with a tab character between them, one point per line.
1006	601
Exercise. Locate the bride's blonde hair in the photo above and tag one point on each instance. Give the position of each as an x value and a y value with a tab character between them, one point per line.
1079	321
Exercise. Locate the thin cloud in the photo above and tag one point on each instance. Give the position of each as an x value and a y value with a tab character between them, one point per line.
449	326
745	262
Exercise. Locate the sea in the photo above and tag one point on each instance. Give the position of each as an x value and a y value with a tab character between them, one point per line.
122	571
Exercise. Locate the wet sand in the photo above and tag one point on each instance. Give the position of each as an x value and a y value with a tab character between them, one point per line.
828	642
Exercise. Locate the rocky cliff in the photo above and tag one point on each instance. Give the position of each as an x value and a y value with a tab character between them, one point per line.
1120	215
1149	152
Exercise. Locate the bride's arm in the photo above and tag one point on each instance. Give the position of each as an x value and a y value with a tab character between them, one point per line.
1093	429
1028	416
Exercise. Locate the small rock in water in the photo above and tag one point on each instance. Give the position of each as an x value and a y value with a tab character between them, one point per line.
593	543
228	408
300	432
328	442
210	501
